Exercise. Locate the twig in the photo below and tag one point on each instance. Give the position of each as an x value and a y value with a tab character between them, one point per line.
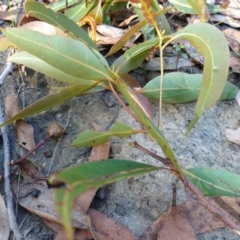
15	162
6	72
8	193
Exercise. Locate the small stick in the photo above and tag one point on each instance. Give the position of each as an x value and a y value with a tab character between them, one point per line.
6	72
8	193
15	162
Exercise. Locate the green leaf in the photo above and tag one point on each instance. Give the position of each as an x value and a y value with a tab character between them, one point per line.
50	101
179	87
133	57
61	4
118	45
76	13
106	6
39	65
4	44
212	44
91	175
92	138
185	7
214	182
148	30
59	20
165	26
71	56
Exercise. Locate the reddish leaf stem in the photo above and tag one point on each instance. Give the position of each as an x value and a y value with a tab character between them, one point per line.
15	162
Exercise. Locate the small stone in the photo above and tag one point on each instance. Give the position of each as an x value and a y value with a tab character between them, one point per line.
48	154
116	148
56	161
120	210
59	115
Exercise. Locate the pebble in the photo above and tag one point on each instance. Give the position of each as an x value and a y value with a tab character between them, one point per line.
59	115
116	149
48	154
120	210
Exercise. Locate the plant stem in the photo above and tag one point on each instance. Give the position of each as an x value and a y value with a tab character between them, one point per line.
161	83
15	162
146	121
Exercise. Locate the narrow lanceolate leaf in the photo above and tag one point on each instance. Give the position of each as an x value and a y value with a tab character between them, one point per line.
118	45
91	175
148	30
165	26
211	43
39	65
68	55
148	13
185	7
92	138
61	4
133	57
179	87
59	20
50	101
214	182
76	13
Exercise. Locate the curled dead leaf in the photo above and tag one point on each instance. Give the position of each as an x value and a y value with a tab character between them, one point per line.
25	134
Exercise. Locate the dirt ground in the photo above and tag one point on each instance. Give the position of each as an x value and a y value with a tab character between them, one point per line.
133	202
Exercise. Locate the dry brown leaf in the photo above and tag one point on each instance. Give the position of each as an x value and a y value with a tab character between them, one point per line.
12	105
58	228
225	19
235	63
151	232
201	219
233	135
111	40
10	15
176	227
106	228
25	132
233	9
170	63
231	206
97	153
4	221
44	205
109	31
233	38
29	171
